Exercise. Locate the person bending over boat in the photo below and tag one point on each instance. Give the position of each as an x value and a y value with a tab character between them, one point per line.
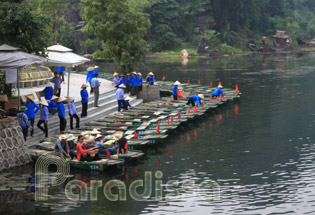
150	78
62	147
218	91
84	154
121	143
195	99
126	107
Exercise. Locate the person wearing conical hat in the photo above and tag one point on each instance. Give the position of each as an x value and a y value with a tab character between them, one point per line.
96	70
134	84
218	91
195	100
62	113
121	143
140	82
48	91
23	121
150	78
175	89
57	84
43	117
128	82
116	80
32	109
73	113
120	96
62	147
90	76
84	100
52	105
126	107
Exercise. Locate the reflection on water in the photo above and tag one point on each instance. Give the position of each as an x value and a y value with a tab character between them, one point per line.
260	150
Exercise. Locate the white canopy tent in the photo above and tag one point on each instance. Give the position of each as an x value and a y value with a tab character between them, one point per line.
61	56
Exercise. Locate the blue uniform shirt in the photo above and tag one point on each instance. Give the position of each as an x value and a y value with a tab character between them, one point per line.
128	81
84	96
89	76
61	110
23	121
95	72
127	103
44	113
30	110
217	92
122	81
134	81
120	94
48	92
175	88
140	80
59	69
52	105
196	99
150	80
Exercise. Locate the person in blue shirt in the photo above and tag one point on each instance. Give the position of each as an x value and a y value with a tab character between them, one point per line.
120	96
128	81
23	121
116	80
218	91
90	76
32	109
150	78
61	73
84	100
140	82
43	117
62	114
73	113
122	79
48	91
96	70
134	84
95	84
175	88
52	105
195	100
126	107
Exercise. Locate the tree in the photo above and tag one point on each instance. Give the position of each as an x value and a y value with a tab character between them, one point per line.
21	28
164	38
120	28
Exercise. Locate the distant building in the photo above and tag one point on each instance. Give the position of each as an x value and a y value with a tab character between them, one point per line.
280	38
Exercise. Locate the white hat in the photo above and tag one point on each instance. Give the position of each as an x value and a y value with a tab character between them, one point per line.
50	84
177	83
128	98
201	96
122	86
84	133
90	69
70	137
84	86
150	73
54	97
44	102
115	74
61	99
98	136
70	99
30	97
117	135
95	131
139	74
88	138
220	86
95	67
63	137
134	72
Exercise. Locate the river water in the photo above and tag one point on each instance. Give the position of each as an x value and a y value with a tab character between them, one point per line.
254	156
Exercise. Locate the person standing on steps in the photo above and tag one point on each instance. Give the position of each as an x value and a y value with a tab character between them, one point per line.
48	91
84	100
73	113
57	87
90	76
128	81
23	121
43	117
134	84
116	80
140	83
32	109
95	70
120	96
62	114
52	105
61	73
95	84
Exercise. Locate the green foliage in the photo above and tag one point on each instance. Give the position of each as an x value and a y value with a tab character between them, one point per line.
228	36
120	28
164	38
21	28
64	34
212	38
90	45
226	49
